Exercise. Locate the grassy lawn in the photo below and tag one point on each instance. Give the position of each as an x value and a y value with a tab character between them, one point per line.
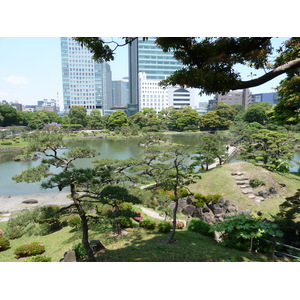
138	245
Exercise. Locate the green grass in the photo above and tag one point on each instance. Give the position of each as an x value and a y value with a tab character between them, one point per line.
220	181
138	245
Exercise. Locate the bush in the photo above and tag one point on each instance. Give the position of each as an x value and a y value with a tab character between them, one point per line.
179	225
254	182
38	258
6	143
30	250
80	251
148	224
164	227
124	222
201	200
138	216
4	243
197	225
74	221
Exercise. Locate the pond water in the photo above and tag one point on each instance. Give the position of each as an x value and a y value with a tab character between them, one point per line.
108	148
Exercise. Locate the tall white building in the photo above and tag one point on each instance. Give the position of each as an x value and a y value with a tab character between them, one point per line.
85	82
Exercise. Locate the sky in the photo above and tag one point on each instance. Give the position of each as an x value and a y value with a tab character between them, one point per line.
30	70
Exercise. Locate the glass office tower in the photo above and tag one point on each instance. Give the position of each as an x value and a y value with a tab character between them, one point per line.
146	57
81	75
154	62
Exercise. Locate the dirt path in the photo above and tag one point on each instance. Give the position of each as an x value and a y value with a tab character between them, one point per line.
156	215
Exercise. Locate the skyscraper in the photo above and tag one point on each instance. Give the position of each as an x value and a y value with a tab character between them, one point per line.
85	82
146	57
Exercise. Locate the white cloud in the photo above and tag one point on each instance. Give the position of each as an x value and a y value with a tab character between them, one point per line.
16	80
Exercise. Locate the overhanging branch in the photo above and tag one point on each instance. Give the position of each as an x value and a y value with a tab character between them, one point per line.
294	64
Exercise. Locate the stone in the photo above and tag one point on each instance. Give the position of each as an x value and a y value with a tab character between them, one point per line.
189	210
30	201
189	200
251	196
218	236
227	203
234	173
282	184
69	256
272	190
242	178
263	194
259	199
221	201
247	192
96	246
241	183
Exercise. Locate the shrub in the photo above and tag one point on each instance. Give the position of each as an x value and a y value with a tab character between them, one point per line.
197	225
4	244
38	258
201	200
74	221
6	143
124	222
179	225
164	227
138	216
148	224
30	250
244	232
254	182
80	251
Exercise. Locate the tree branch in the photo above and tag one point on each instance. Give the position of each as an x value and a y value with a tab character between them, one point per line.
291	65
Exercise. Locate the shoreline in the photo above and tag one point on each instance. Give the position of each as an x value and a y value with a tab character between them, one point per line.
13	203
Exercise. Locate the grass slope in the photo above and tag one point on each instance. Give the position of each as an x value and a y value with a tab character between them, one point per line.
220	181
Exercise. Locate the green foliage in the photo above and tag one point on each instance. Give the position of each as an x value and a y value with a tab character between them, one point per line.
257	112
80	251
78	115
255	182
117	119
164	227
124	222
197	225
245	232
147	224
31	249
6	143
268	148
200	200
74	221
4	243
37	258
288	219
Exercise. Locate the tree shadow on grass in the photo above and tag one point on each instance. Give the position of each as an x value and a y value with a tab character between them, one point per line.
187	247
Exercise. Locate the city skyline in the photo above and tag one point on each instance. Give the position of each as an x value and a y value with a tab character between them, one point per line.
31	70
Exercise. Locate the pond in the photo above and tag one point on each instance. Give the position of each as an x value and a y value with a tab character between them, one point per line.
108	148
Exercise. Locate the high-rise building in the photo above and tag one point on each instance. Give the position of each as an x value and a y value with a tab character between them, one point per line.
120	92
85	82
146	57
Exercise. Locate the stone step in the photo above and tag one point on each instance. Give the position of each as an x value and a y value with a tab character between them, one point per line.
242	178
247	192
242	183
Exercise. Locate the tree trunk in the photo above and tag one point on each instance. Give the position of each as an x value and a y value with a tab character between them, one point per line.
84	225
170	238
85	233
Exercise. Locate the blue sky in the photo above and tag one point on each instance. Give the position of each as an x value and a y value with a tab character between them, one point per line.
30	69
